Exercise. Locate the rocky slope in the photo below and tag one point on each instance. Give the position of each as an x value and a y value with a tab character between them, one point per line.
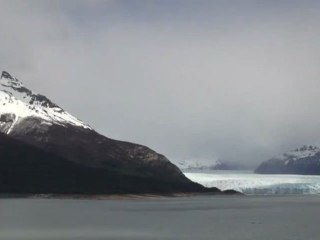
26	169
304	160
35	120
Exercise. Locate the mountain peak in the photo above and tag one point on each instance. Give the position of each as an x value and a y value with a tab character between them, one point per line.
303	160
16	99
307	148
7	80
5	74
298	153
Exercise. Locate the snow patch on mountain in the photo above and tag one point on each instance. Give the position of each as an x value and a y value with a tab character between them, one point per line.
186	165
299	153
20	102
304	160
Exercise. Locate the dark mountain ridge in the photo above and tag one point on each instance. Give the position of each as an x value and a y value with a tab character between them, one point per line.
26	169
47	150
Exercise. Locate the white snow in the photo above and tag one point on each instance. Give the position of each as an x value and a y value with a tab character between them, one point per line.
192	164
12	125
16	99
303	152
250	183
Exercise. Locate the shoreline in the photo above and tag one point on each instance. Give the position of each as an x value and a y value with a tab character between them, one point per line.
114	196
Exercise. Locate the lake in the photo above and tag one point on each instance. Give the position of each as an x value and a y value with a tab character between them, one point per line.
199	218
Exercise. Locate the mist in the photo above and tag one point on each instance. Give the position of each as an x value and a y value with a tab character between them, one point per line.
203	80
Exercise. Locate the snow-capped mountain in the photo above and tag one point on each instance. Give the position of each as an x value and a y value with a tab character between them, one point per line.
18	102
189	165
36	121
304	160
198	165
303	152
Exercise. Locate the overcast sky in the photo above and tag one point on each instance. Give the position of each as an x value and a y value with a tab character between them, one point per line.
204	80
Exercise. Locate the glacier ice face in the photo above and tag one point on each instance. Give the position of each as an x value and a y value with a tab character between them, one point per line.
16	99
250	183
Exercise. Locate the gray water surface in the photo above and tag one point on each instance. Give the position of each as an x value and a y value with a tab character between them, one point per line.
207	217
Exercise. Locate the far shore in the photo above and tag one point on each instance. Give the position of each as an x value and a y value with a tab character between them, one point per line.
113	196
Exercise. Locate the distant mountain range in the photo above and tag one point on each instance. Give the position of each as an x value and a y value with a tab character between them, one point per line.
44	149
196	165
304	160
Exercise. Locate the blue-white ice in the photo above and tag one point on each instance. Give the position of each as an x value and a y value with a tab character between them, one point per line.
250	183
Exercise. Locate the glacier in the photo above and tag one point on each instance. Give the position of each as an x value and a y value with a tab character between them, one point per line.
250	183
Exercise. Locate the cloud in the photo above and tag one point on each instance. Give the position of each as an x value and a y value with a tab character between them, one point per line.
232	81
